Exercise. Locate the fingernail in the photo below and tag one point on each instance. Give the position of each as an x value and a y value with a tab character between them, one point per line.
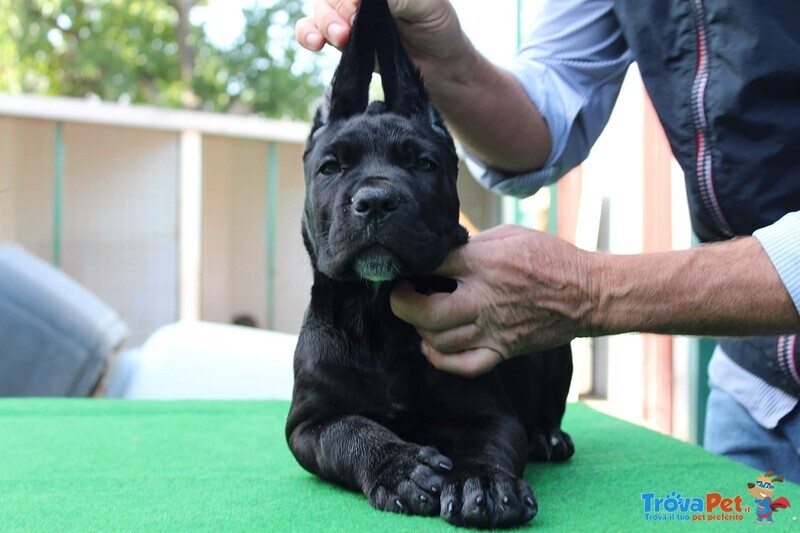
424	348
314	39
336	31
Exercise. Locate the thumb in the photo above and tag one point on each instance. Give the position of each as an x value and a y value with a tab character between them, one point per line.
468	364
417	10
499	233
455	265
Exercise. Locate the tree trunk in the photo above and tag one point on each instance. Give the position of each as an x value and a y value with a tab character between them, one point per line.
187	51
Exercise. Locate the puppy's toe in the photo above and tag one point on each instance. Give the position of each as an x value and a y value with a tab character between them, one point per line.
553	445
434	459
407	498
493	501
410	482
450	503
509	507
427	479
563	447
476	507
513	502
385	500
529	505
417	500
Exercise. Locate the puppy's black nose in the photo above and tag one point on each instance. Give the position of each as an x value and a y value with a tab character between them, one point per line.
375	202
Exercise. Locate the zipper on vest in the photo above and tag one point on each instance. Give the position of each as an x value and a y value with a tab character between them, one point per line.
786	357
703	167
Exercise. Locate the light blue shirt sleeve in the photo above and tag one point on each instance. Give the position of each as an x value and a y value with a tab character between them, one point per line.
571	67
781	241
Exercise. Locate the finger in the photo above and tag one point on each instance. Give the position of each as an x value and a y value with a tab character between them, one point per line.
308	35
436	312
453	340
416	11
499	232
468	364
455	264
333	18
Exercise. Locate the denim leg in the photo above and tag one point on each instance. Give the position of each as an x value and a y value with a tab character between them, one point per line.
732	432
790	429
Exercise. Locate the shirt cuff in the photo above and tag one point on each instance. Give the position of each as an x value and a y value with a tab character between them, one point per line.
781	241
519	185
531	76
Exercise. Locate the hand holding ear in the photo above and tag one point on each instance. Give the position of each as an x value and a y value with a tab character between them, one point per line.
331	23
430	29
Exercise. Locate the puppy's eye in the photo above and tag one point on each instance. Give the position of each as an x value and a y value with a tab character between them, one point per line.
330	168
425	165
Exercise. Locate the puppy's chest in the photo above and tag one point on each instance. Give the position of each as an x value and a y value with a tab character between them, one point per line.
385	376
391	375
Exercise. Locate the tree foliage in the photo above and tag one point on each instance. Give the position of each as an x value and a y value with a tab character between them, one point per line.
150	51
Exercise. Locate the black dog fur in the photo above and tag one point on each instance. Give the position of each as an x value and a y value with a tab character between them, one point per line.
368	411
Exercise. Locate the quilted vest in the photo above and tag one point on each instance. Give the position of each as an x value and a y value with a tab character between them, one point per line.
724	78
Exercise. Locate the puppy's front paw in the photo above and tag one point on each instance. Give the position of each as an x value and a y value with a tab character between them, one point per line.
410	480
487	501
554	445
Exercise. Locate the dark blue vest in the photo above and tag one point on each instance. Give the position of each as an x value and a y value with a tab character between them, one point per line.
724	77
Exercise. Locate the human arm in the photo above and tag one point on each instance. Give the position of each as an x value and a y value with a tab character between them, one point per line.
525	125
521	290
485	106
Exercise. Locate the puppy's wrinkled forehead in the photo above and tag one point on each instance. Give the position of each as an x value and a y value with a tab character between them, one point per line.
380	133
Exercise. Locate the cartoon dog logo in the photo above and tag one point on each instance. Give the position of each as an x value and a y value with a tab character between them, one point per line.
762	490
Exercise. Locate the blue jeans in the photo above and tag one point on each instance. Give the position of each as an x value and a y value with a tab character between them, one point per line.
55	336
732	432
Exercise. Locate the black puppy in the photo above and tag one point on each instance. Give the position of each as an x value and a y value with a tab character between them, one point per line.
368	411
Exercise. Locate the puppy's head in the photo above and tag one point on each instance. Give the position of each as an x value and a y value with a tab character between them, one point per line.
381	200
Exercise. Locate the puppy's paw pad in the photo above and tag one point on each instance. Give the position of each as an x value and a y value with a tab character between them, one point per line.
493	501
551	446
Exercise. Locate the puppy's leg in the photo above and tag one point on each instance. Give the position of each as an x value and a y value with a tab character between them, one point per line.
475	425
553	444
486	487
538	385
360	454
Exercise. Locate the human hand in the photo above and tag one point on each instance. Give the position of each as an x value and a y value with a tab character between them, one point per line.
429	28
519	291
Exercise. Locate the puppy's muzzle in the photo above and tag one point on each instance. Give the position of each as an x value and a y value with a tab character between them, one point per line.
375	203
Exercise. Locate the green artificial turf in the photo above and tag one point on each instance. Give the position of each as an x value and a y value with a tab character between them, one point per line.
106	465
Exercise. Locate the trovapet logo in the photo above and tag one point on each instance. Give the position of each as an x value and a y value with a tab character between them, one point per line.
762	490
711	506
716	506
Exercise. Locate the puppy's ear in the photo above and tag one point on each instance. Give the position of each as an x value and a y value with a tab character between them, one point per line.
350	87
403	89
320	120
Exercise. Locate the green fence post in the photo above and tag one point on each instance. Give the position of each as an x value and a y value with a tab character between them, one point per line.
700	352
272	215
58	195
